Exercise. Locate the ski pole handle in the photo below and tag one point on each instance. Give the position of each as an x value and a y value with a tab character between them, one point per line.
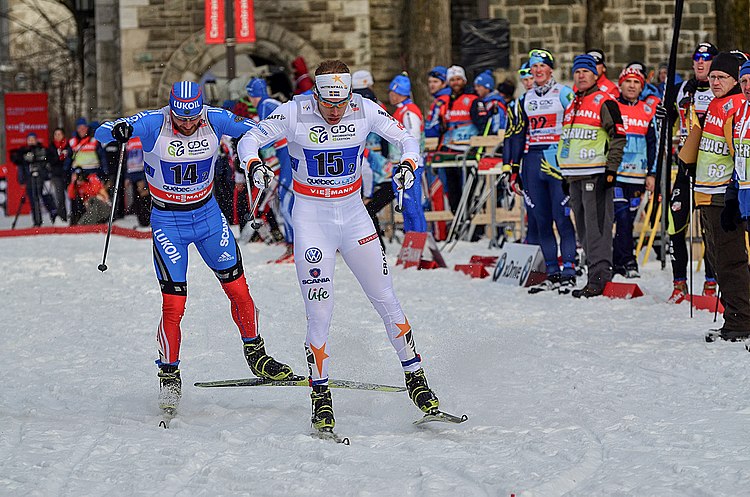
400	205
255	223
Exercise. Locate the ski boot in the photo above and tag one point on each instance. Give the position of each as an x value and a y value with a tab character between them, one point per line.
587	292
263	365
709	288
551	283
567	284
631	271
322	408
419	391
170	387
679	292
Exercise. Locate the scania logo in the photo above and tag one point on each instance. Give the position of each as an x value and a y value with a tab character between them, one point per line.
315	272
316	281
176	148
318	134
313	255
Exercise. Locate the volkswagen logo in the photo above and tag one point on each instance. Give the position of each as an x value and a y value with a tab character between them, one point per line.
313	255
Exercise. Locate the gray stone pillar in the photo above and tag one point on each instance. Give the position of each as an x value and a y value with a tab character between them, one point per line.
108	77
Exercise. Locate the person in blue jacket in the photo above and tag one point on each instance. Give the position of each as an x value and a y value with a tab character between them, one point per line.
180	146
258	93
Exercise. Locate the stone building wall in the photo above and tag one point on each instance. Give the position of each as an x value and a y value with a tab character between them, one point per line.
162	39
633	30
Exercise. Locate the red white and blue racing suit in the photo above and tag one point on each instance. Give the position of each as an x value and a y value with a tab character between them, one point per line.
180	173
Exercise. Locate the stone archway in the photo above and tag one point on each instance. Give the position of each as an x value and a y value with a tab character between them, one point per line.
194	57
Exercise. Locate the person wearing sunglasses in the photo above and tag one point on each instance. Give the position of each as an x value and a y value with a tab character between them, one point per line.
535	173
725	244
180	145
693	98
590	153
327	134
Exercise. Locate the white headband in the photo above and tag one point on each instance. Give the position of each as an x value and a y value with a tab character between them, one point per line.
334	85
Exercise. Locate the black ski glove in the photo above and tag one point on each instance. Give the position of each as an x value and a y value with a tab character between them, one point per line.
610	178
122	132
730	215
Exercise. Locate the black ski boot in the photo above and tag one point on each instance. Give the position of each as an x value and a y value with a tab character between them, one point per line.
263	365
322	408
420	392
170	387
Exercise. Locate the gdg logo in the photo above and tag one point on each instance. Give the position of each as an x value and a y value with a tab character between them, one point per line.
343	128
318	134
197	144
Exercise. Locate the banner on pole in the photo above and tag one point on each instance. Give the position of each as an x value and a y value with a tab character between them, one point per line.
244	21
215	22
24	113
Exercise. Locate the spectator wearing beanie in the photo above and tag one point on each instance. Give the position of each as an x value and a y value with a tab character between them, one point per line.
590	153
494	103
725	244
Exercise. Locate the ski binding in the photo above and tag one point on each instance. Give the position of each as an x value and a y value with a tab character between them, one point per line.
167	415
441	416
328	434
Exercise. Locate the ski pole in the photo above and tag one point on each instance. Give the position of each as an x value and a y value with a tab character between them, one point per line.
18	212
103	266
400	205
644	226
690	258
255	223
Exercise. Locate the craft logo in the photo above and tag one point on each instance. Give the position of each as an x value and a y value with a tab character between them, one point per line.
313	255
318	134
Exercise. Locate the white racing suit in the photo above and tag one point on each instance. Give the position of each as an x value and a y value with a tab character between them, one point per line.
329	215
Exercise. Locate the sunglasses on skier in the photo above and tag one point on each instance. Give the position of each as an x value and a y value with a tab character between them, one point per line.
538	52
524	73
705	56
181	119
330	104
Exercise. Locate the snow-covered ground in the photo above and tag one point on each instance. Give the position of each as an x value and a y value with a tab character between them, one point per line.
564	397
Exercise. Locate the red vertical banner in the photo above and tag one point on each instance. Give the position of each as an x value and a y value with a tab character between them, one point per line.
24	113
215	22
244	21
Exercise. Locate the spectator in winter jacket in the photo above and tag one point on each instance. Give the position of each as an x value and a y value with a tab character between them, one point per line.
89	198
59	157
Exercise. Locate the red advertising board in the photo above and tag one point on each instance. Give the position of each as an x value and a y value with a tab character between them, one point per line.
244	21
215	22
24	113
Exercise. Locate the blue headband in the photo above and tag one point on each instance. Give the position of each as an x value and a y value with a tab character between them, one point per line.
584	61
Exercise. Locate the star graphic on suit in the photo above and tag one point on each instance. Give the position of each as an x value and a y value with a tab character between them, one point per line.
320	356
405	328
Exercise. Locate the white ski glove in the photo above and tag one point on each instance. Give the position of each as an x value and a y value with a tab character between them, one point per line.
403	175
262	175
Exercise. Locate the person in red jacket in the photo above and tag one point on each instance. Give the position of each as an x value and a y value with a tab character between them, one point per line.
90	200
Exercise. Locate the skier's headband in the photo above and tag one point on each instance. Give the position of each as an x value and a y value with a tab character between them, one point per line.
540	56
333	86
